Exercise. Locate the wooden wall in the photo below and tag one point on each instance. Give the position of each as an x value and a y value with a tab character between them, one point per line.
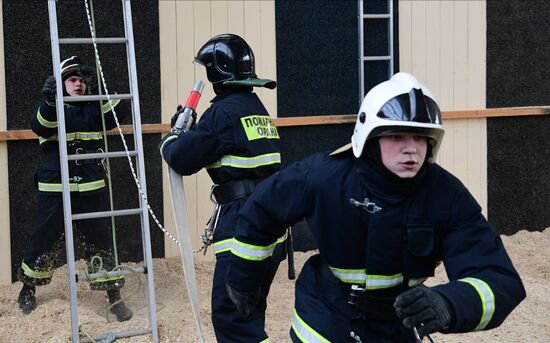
443	43
184	27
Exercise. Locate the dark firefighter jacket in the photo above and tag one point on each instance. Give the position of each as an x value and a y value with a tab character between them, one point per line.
83	125
391	243
235	139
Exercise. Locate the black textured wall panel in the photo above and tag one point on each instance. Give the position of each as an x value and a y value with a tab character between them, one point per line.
317	57
518	49
298	142
518	187
27	56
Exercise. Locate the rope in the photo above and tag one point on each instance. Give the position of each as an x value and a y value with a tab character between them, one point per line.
93	268
107	165
121	134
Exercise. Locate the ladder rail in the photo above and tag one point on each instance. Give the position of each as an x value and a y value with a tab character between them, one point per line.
132	74
62	136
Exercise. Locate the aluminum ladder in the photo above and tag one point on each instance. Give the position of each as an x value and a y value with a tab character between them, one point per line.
366	18
142	211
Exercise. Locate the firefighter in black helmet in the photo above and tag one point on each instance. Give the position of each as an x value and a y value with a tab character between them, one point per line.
237	143
83	122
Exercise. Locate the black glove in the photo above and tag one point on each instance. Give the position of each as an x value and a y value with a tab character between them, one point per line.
87	74
245	302
424	308
48	90
179	110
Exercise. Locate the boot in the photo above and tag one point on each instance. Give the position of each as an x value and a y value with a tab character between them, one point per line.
120	310
26	299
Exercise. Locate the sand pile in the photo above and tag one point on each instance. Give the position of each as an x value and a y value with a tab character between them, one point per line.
50	322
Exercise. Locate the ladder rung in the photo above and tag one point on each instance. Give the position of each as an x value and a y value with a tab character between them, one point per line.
376	16
97	155
108	40
376	58
103	214
118	272
78	98
122	334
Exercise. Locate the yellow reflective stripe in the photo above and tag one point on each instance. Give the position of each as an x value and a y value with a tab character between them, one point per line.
487	300
74	187
253	252
107	279
383	281
246	162
222	246
371	281
267	340
305	332
349	275
71	136
259	126
44	122
108	106
91	186
34	274
169	139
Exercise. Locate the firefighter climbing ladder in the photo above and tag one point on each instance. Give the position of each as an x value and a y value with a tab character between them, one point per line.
142	211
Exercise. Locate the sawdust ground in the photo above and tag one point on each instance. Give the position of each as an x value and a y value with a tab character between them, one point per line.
50	322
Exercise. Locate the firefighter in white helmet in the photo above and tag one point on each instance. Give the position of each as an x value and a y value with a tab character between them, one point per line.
383	215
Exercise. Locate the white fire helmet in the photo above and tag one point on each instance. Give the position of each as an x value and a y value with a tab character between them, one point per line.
399	105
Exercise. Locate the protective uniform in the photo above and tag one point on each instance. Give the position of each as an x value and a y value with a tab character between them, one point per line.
83	122
236	141
378	235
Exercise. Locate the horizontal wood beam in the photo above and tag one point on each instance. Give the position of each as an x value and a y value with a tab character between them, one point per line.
317	120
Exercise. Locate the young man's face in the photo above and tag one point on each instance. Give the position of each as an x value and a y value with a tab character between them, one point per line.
403	154
74	85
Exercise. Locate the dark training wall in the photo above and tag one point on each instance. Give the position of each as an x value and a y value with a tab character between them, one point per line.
317	57
518	49
27	55
317	74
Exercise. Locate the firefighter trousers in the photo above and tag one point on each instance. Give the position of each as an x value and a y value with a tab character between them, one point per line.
46	242
229	325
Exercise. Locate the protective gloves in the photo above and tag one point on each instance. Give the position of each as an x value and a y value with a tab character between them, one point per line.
179	110
48	90
245	302
424	308
87	74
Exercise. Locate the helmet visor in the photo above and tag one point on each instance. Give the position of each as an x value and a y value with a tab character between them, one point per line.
403	130
411	107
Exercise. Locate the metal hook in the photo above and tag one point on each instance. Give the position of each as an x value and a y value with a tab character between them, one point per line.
212	198
417	336
366	205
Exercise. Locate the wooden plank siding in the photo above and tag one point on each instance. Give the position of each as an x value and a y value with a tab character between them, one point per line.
443	44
